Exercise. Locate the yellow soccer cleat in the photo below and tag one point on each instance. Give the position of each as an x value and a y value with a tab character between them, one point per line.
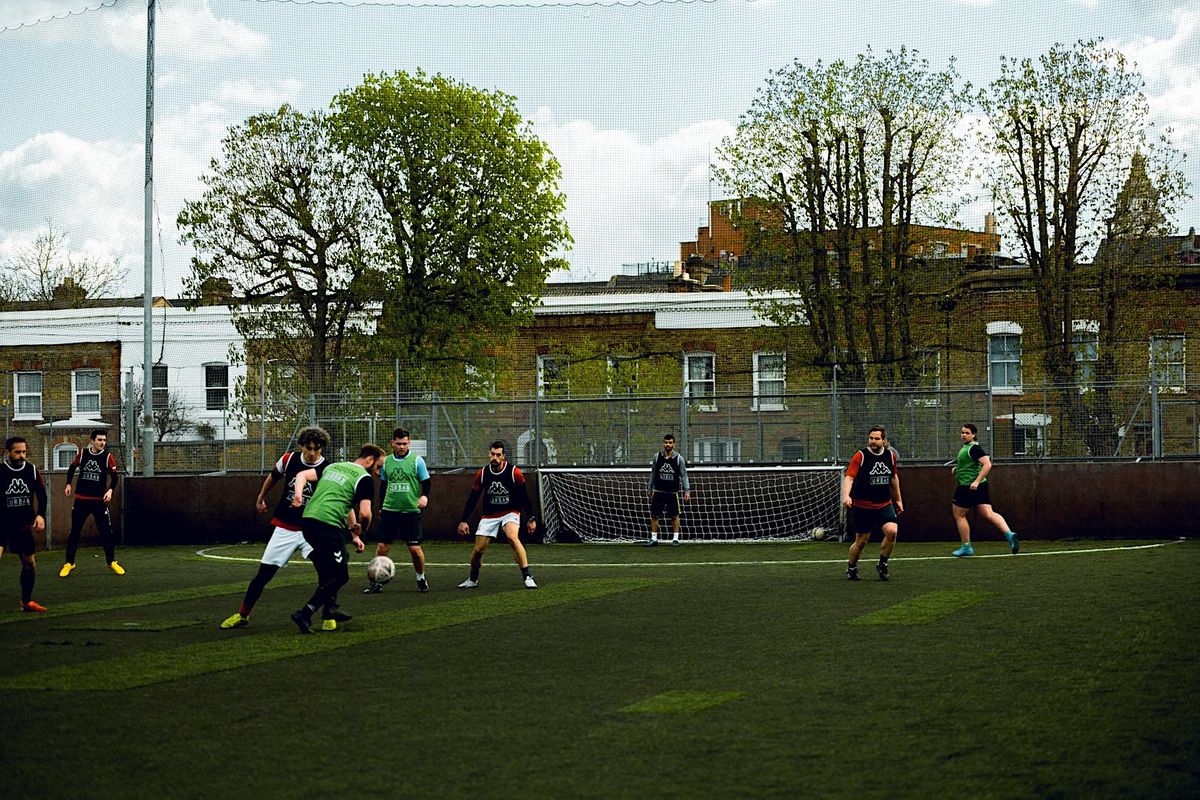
329	625
117	568
236	621
66	570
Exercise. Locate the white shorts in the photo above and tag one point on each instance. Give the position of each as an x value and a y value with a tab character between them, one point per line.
491	527
281	546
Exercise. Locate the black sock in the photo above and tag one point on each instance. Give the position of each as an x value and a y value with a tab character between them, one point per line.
27	576
474	573
851	565
525	571
257	584
883	559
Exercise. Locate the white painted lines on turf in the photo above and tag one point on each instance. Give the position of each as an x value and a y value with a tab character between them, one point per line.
841	559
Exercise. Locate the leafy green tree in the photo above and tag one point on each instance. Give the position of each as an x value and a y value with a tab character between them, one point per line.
279	228
465	212
1067	131
837	162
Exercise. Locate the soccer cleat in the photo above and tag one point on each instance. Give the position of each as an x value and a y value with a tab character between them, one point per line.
236	621
852	573
529	582
66	570
965	550
335	614
675	543
422	585
374	588
329	625
652	543
34	607
882	570
117	568
1013	543
468	584
303	621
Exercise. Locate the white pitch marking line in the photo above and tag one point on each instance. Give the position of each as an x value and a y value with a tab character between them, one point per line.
207	553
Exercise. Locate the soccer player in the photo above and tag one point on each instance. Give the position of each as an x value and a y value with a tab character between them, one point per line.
286	539
668	475
871	490
97	467
405	489
20	485
341	503
971	469
502	487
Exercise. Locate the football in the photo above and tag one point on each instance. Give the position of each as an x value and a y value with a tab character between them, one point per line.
818	533
381	569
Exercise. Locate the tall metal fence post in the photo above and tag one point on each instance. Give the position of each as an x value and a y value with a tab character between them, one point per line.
684	444
628	424
836	445
991	420
537	429
431	448
131	428
1155	416
262	417
396	390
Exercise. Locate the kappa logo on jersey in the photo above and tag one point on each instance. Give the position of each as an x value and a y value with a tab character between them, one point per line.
666	472
880	473
497	489
92	466
304	496
17	486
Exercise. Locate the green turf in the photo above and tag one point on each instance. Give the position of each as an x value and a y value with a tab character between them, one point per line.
699	671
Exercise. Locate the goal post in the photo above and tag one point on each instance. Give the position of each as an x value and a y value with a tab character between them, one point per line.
728	504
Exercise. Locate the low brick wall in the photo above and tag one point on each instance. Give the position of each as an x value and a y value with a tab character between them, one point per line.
1124	500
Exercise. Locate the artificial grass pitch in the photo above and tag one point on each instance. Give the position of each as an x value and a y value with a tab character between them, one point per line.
697	671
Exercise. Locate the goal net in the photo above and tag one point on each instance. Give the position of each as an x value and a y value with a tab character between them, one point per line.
729	504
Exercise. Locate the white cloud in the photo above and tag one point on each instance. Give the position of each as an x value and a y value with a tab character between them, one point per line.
89	181
628	199
255	94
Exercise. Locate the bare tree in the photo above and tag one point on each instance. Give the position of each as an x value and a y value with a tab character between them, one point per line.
171	412
45	272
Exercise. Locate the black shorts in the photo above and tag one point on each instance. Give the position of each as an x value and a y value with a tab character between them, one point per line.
965	497
865	520
17	539
664	504
405	525
323	537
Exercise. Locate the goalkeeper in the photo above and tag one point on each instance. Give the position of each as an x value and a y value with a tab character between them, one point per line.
668	475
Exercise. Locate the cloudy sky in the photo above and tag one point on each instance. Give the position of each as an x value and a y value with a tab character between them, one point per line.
632	98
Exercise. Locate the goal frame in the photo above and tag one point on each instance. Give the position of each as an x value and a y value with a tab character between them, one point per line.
829	522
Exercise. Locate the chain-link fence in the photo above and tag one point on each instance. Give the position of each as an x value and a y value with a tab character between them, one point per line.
207	423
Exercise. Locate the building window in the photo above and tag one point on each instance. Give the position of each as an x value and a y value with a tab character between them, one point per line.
1004	356
64	454
28	395
1085	346
216	387
158	387
770	381
718	450
1029	440
1168	365
552	377
791	449
85	392
700	380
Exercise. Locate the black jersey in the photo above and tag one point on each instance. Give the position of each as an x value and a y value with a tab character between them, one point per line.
95	470
20	486
872	486
668	474
503	492
286	469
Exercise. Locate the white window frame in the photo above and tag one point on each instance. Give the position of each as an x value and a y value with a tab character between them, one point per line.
209	387
64	448
165	372
764	401
711	397
1085	348
19	395
1007	330
559	363
1170	375
77	393
703	447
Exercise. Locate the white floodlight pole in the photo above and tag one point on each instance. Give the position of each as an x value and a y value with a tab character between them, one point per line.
148	260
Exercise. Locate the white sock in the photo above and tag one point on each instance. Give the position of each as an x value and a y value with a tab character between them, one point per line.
420	576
